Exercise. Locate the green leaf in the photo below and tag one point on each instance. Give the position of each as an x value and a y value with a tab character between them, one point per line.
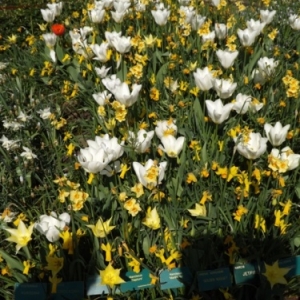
12	263
162	73
297	241
59	52
73	72
297	190
146	245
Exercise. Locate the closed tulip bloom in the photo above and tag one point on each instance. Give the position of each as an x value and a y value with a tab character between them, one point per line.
48	15
102	72
226	58
267	16
255	25
217	111
121	44
93	160
118	17
172	146
56	8
224	88
294	21
102	97
203	79
208	37
141	141
251	145
96	15
241	104
123	94
277	134
50	39
197	21
221	31
161	15
267	65
247	36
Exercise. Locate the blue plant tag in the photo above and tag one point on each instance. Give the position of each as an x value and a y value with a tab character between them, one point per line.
136	281
29	291
246	273
175	278
214	279
69	291
293	263
94	286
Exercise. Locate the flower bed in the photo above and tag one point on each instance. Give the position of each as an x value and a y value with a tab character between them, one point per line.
151	150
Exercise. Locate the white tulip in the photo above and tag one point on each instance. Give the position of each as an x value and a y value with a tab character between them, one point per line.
121	44
56	8
277	134
172	146
100	51
224	88
217	111
102	72
226	58
96	15
203	79
267	16
141	141
51	225
161	16
241	104
293	159
247	36
123	94
102	97
294	21
251	145
267	65
48	15
221	31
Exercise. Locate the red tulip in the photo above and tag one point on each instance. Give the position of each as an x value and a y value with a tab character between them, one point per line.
58	29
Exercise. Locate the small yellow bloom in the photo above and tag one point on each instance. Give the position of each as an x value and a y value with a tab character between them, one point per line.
206	196
191	178
260	222
101	229
275	274
124	169
286	207
111	276
199	211
27	265
55	264
138	190
152	219
108	249
240	212
21	236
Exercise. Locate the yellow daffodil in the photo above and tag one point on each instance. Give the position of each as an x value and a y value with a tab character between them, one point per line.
55	264
108	249
138	189
27	266
101	229
135	264
199	211
111	276
21	236
260	222
206	196
275	274
240	212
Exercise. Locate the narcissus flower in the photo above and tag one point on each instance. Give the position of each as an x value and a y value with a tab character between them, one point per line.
21	236
199	211
111	276
101	229
151	174
58	29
